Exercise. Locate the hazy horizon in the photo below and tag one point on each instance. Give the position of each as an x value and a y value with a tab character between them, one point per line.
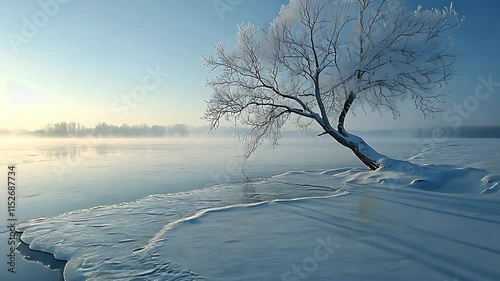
90	61
104	130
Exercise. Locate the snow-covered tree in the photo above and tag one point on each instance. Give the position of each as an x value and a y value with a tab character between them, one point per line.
321	58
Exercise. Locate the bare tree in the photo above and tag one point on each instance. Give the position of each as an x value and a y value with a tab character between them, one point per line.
319	59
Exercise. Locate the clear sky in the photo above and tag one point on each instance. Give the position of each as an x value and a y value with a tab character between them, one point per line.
84	60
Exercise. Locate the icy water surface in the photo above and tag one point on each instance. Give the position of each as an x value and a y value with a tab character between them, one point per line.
169	183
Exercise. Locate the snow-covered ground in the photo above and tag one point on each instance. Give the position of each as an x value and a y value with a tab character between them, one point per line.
404	222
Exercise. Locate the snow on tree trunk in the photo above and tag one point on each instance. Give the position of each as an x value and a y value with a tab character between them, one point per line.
365	153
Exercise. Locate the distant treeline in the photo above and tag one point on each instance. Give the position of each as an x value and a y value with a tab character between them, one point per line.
460	132
73	129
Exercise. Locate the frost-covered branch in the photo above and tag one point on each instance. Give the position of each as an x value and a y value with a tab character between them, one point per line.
320	59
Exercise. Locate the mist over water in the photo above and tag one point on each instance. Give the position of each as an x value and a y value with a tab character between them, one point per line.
59	175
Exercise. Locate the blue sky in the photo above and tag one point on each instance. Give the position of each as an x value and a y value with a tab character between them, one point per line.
85	58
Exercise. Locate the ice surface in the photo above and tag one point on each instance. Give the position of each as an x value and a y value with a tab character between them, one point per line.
115	241
370	234
410	222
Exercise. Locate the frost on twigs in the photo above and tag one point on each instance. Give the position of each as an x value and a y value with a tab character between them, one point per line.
319	60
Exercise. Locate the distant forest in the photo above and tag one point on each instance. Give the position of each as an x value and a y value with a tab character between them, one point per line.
73	129
460	132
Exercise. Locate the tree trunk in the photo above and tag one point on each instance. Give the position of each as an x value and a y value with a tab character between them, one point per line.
365	153
372	164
